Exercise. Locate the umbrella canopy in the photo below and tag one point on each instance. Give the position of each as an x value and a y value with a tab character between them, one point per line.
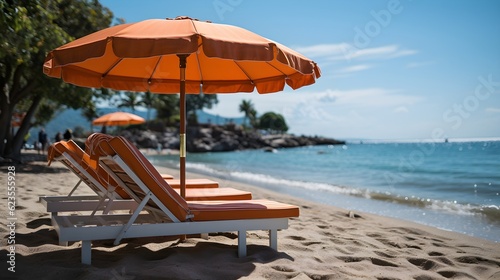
118	118
180	55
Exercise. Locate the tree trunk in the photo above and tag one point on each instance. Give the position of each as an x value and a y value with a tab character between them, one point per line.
13	149
5	124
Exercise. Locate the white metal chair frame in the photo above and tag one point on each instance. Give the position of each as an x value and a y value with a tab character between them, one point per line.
117	227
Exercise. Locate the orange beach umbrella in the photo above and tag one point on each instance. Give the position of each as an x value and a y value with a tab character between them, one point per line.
181	55
118	118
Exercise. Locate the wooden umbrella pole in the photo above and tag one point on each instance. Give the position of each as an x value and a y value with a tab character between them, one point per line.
182	130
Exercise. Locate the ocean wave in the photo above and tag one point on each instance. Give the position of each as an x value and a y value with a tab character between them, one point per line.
266	179
423	140
262	179
491	212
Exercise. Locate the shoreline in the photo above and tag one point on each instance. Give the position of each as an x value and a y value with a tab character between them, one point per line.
325	242
440	220
475	224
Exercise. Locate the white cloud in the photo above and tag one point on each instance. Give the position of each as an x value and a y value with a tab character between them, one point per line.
329	112
344	51
384	52
355	68
330	57
492	110
324	49
370	97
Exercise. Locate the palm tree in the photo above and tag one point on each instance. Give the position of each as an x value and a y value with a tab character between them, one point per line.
254	121
131	100
148	100
248	109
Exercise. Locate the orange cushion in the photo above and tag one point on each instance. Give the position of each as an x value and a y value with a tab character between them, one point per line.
238	210
199	194
166	176
193	183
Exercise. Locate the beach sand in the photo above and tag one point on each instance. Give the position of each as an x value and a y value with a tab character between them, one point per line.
325	242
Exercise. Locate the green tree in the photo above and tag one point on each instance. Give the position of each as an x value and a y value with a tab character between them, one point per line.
254	121
196	102
167	107
130	99
273	122
248	109
30	29
148	100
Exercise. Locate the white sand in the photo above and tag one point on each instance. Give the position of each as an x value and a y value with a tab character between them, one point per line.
323	243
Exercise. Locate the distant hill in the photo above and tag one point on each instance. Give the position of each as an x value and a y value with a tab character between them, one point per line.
204	117
72	118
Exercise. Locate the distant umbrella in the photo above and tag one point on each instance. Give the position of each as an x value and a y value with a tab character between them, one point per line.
118	118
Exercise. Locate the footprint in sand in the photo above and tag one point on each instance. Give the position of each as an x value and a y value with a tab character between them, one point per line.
381	262
455	274
318	260
282	268
343	251
296	238
311	243
424	264
386	255
375	261
445	261
350	259
476	260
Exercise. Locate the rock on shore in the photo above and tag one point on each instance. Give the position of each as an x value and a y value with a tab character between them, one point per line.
213	138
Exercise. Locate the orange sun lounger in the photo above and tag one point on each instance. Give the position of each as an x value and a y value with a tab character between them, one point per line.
193	183
110	196
167	176
161	210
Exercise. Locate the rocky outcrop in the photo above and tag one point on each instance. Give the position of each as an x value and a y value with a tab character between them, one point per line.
212	138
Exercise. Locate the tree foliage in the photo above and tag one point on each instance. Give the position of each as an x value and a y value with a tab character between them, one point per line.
131	100
248	109
196	102
273	122
30	30
167	107
149	100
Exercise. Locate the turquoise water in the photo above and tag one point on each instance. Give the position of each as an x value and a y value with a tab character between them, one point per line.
453	186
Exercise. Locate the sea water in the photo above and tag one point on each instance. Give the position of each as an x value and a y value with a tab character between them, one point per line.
450	185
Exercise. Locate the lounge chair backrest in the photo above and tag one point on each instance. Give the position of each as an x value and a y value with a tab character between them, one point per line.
99	173
146	172
79	157
57	149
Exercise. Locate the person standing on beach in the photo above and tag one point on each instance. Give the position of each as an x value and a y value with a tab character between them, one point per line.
59	136
68	134
42	140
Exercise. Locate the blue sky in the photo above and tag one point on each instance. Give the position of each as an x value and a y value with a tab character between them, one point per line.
391	69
